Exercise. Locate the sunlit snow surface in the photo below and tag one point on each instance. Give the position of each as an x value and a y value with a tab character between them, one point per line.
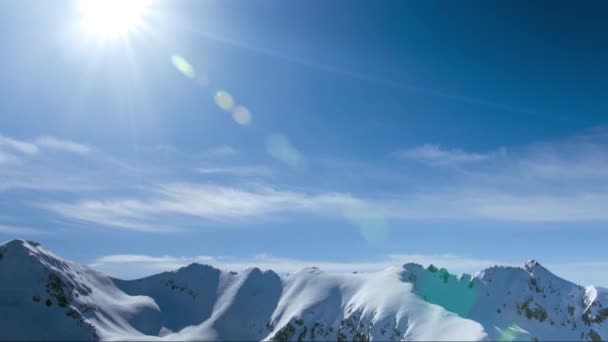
45	297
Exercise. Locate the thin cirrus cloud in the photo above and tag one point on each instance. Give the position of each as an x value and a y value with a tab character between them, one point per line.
200	201
19	146
560	181
436	155
552	181
547	182
57	144
247	170
42	164
124	213
11	145
231	205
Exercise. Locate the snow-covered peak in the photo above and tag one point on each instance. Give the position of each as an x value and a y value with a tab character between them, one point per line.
196	267
20	242
22	256
23	248
536	269
531	264
43	296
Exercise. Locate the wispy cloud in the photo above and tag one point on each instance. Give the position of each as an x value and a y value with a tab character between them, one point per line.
50	181
53	143
553	181
15	230
560	181
436	155
203	201
46	164
46	142
570	161
18	145
229	204
247	170
124	214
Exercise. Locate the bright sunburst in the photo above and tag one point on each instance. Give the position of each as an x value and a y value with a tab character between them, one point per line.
112	18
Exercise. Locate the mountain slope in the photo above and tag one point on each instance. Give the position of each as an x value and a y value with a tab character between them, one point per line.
45	297
516	303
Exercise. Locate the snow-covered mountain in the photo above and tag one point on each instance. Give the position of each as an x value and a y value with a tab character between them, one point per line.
43	297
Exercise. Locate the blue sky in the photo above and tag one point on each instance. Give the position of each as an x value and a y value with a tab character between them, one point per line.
348	135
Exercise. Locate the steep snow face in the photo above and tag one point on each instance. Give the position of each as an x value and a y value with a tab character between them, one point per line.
516	303
248	298
185	297
201	302
358	307
45	297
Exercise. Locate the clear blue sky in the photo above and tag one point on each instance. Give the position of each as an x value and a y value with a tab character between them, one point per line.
464	132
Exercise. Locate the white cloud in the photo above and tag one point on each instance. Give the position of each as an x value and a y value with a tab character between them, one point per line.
18	146
44	164
42	143
133	266
125	214
555	181
204	201
551	182
57	144
48	182
229	204
570	161
435	155
216	201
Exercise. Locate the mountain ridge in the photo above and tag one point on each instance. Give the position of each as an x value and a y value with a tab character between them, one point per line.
67	301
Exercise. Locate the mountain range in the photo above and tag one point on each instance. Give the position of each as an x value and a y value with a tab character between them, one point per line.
44	297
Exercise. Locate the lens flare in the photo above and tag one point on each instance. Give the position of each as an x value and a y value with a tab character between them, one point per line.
371	222
224	100
513	333
241	115
183	66
279	147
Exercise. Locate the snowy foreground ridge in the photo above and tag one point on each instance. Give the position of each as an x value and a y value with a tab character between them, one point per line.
45	297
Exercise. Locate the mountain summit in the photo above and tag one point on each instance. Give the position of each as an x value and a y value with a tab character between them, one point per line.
45	297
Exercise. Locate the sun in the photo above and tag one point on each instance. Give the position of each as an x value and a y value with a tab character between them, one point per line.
112	18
